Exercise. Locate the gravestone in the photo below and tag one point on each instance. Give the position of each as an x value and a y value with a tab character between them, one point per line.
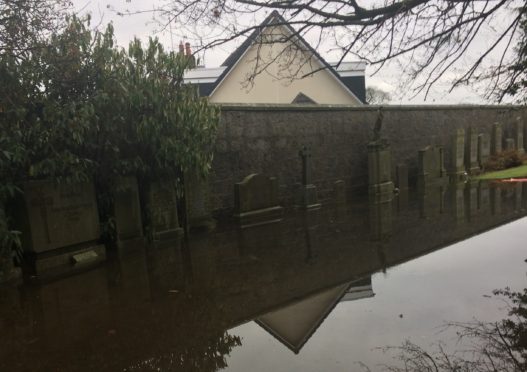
8	271
483	149
510	144
518	135
308	191
127	211
431	200
380	215
471	152
401	176
495	200
256	201
60	222
197	195
339	191
380	170
162	210
496	139
457	156
472	189
431	166
458	203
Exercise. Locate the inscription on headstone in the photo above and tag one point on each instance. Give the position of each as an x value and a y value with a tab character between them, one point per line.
60	215
483	149
256	200
496	139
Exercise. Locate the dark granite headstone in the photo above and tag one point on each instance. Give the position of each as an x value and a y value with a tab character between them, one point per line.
256	201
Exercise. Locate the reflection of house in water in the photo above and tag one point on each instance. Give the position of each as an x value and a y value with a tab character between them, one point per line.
294	325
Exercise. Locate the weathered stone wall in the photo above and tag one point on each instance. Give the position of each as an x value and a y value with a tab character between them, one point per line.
266	139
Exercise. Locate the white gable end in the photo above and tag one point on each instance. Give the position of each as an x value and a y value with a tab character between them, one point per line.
277	69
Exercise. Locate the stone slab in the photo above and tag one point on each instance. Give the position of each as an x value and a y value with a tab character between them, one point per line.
471	152
127	209
162	207
496	139
483	149
401	176
58	215
457	155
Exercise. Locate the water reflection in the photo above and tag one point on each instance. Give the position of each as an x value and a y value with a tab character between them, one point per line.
172	307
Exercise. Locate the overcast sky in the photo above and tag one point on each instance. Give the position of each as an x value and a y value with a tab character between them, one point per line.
148	24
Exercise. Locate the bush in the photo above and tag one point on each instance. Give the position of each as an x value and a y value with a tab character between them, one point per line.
504	160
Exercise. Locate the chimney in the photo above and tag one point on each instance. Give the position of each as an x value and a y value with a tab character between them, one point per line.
188	52
181	48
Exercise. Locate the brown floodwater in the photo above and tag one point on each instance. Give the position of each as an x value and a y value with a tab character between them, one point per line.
321	290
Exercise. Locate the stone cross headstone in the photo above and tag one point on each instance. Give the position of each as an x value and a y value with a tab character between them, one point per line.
483	149
496	139
457	162
471	152
518	135
256	201
308	193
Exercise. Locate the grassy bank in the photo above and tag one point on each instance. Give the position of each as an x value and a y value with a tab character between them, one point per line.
515	172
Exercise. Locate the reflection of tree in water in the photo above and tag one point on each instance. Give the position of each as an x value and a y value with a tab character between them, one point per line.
205	356
490	346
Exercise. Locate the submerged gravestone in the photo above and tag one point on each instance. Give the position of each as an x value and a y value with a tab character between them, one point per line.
458	203
483	149
457	156
431	200
339	192
308	191
510	144
518	135
59	222
127	211
483	196
471	152
496	139
431	166
162	210
256	201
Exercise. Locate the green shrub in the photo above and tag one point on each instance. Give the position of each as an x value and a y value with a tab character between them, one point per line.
504	160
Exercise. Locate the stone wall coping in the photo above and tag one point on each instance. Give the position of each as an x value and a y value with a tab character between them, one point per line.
289	107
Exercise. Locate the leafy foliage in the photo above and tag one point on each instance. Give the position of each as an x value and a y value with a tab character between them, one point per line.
80	108
504	160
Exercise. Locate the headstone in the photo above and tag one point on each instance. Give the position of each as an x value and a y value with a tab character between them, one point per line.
471	152
59	221
401	176
431	166
518	135
380	171
380	219
472	198
308	193
510	144
127	211
496	139
457	159
256	201
197	194
8	271
483	149
431	200
162	210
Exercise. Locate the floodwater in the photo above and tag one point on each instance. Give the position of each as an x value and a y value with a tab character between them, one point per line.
322	290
